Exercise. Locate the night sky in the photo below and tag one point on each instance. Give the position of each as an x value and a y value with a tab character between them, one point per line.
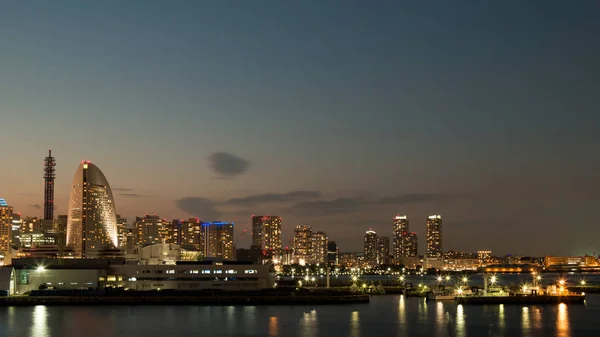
334	114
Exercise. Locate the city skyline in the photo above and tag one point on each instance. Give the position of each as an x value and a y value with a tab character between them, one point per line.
338	120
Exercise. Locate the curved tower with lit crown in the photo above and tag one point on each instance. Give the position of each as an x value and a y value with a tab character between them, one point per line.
92	219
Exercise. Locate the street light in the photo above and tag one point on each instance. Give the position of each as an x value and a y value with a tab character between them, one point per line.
465	279
582	282
493	279
439	279
41	268
448	278
561	282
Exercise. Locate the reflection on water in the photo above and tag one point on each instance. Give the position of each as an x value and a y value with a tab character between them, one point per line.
525	324
385	316
501	318
309	323
537	318
273	326
562	322
460	321
440	320
39	326
402	309
422	309
354	324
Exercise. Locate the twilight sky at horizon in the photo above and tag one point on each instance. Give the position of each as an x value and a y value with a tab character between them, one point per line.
334	114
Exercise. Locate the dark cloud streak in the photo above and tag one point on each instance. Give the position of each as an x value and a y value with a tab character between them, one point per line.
227	165
274	197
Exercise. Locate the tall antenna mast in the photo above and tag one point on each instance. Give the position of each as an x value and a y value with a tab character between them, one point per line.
49	168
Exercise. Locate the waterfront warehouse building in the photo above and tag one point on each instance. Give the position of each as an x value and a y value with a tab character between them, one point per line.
92	219
29	274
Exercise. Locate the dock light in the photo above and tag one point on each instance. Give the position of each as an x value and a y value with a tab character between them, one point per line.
493	279
41	268
420	285
465	279
402	278
561	282
439	278
354	278
582	282
447	278
524	288
312	279
459	291
539	278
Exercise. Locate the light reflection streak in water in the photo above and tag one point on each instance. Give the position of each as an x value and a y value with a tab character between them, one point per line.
308	324
249	315
440	320
562	321
536	318
422	310
460	321
501	322
273	326
355	324
39	327
525	324
402	309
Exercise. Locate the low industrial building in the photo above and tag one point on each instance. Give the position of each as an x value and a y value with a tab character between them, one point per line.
28	274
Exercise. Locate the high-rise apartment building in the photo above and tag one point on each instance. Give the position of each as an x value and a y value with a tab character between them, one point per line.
30	225
319	247
371	248
333	253
60	230
302	244
6	218
92	219
191	233
383	250
434	236
122	231
412	245
16	228
400	233
174	233
150	229
218	240
266	233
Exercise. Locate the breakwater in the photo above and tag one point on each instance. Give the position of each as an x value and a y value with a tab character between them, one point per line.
184	300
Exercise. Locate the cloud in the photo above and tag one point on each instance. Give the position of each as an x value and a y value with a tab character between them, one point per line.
36	206
274	197
200	207
359	203
413	198
122	189
326	207
227	165
131	195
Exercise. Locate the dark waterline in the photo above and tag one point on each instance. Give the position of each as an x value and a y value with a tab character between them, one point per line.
384	316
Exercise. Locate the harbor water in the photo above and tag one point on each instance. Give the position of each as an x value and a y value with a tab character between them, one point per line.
389	315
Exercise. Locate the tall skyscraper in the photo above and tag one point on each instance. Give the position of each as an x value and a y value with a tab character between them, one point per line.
122	231
302	244
92	219
266	233
371	248
434	236
319	247
49	175
60	230
333	253
383	250
6	217
412	245
191	233
174	234
218	239
400	233
149	229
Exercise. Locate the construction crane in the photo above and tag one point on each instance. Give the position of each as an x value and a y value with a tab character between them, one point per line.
239	238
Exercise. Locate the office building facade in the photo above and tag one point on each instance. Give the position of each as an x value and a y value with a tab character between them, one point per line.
434	236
